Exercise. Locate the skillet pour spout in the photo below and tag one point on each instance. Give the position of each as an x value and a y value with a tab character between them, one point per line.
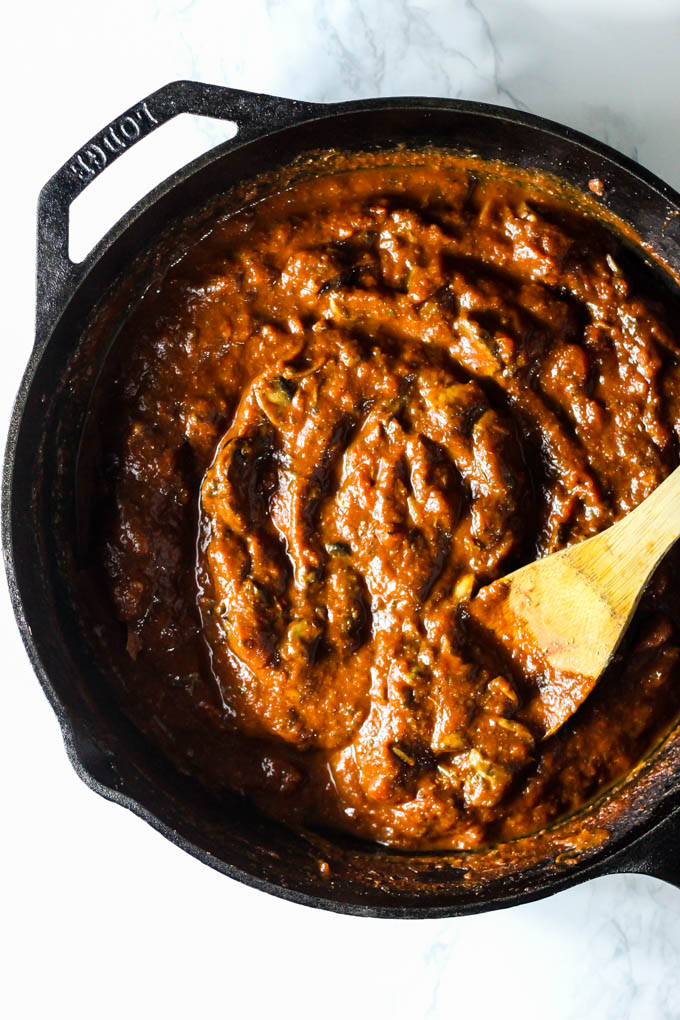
634	827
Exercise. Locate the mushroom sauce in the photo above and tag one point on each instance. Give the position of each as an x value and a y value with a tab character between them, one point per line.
342	411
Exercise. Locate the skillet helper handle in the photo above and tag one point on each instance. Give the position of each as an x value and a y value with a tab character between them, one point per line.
656	854
252	113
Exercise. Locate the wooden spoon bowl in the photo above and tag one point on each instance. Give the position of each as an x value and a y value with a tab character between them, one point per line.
562	618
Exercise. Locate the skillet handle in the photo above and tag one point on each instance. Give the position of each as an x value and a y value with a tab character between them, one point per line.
252	113
657	853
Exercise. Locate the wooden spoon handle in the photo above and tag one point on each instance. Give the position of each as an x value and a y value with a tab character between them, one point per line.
662	509
638	542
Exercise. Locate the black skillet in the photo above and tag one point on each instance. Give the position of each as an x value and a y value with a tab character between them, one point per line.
636	828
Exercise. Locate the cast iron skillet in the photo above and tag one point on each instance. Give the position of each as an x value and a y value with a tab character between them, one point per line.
634	829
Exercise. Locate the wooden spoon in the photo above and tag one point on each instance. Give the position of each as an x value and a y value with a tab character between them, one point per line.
561	618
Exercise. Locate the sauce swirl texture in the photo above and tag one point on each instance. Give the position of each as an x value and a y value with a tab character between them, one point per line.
344	410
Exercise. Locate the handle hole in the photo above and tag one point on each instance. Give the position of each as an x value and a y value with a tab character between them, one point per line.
136	173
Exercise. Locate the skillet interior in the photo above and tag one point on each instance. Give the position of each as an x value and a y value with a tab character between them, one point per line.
41	536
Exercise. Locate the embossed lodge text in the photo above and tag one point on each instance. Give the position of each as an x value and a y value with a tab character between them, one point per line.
118	136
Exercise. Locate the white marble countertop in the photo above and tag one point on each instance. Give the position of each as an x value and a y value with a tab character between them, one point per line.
102	917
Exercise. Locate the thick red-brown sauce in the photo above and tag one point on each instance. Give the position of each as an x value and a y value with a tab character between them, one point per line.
342	412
